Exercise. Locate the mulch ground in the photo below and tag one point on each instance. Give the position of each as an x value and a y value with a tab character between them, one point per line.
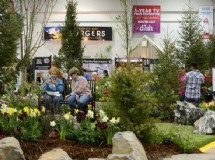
33	151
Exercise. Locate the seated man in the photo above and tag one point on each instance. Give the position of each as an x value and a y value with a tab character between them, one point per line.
81	93
53	85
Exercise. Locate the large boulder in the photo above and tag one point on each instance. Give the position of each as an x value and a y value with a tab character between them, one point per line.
126	146
55	154
186	113
206	124
10	149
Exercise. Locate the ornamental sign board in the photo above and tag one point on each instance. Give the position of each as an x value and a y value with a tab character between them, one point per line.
97	61
42	63
96	33
146	19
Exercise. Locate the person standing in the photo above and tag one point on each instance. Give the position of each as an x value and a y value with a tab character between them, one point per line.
194	80
81	93
182	84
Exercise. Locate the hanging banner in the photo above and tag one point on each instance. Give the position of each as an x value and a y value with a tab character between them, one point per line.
146	19
206	24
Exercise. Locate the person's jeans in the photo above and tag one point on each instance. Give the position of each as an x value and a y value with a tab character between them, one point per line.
82	101
55	100
181	97
195	101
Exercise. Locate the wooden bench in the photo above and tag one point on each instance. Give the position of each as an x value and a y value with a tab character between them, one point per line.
67	91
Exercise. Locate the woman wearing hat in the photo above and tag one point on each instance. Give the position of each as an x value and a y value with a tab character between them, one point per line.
81	93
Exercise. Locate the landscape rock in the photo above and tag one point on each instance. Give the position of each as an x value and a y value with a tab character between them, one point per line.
206	124
186	113
55	154
126	146
10	149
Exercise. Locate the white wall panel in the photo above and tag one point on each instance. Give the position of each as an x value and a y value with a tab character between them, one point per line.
102	13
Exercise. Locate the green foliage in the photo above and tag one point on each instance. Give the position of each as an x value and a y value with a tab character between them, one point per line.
107	127
180	135
130	98
182	140
198	53
191	47
63	125
71	52
102	89
189	33
24	124
165	80
10	32
87	136
8	124
211	47
30	129
26	96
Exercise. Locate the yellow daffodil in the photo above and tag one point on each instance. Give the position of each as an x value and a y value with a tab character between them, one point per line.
105	119
101	113
14	110
3	110
43	109
37	111
117	120
89	106
52	123
10	111
66	116
90	114
76	111
26	110
32	114
113	120
4	105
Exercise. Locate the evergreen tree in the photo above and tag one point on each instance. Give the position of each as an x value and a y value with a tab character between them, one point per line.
211	47
10	32
189	33
166	79
191	47
131	100
198	53
71	52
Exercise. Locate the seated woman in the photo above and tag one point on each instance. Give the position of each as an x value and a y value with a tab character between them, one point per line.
53	84
81	93
61	75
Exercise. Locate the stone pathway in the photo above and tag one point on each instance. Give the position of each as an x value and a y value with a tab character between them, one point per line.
207	155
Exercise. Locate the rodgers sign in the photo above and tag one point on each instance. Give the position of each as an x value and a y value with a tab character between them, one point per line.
96	33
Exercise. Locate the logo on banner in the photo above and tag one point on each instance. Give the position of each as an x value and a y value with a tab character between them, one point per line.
146	19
